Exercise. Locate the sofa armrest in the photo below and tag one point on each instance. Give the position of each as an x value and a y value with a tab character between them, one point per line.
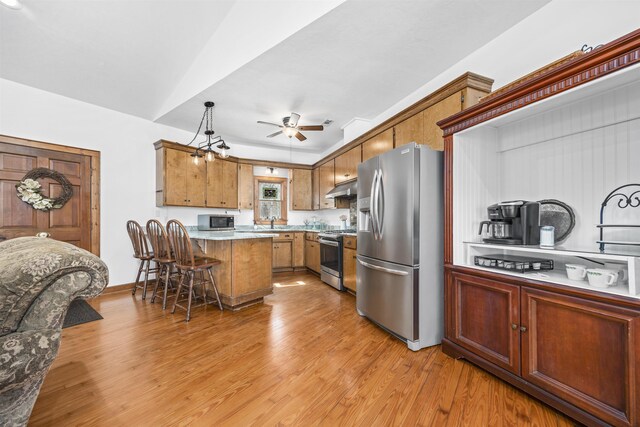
25	358
32	269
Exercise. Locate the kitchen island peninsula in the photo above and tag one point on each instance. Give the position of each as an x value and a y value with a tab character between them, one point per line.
244	276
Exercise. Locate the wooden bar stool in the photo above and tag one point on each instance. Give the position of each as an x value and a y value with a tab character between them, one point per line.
141	252
189	266
163	257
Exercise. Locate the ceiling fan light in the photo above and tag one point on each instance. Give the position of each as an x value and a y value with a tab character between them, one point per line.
290	131
12	4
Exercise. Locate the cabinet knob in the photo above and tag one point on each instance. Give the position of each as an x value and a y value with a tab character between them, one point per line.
514	326
523	328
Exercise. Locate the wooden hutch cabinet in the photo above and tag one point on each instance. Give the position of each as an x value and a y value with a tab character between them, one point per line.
566	343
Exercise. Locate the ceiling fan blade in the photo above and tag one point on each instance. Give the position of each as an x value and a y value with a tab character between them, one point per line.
293	119
311	127
300	136
268	123
274	134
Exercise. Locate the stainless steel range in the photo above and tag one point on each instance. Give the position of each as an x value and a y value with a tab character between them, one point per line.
331	257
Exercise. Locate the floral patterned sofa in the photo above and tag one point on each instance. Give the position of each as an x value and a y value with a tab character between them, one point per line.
39	277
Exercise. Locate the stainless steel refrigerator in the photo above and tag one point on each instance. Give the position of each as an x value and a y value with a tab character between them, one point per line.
399	272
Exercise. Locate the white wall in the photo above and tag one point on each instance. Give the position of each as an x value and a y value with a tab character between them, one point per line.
557	29
127	163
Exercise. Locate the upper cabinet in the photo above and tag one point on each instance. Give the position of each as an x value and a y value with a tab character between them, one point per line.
222	184
346	166
245	186
315	191
326	184
301	189
377	145
443	109
178	181
410	130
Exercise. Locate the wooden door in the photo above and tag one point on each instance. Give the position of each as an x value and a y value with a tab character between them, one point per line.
377	145
486	319
410	130
175	188
282	252
315	193
229	184
347	164
327	183
349	268
195	181
298	249
435	113
301	189
583	352
215	185
73	222
245	186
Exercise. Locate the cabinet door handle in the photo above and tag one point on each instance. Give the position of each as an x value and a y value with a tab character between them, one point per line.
514	326
523	328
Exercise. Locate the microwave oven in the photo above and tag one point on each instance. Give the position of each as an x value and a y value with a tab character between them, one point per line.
216	222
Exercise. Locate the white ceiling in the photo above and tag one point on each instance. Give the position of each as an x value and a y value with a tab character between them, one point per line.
146	58
119	54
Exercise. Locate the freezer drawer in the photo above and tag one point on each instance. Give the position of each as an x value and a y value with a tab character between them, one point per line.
388	295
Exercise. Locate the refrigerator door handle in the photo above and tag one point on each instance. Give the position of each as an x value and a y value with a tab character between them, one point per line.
386	270
374	203
380	204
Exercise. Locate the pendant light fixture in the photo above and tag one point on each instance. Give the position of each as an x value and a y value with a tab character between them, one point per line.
204	148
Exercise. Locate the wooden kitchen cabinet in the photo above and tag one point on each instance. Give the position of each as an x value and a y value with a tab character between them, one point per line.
222	184
349	268
315	191
301	189
282	252
326	184
582	351
346	166
411	130
312	255
298	249
569	346
245	186
381	143
178	181
443	109
486	319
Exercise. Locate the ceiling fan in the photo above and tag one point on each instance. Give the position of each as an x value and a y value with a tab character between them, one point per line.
290	127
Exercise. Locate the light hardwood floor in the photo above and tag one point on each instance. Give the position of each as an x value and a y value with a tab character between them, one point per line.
304	357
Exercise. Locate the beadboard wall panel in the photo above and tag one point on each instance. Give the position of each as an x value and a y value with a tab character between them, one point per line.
476	183
577	154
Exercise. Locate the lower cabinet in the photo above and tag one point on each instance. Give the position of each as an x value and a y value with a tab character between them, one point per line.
486	319
583	352
580	350
312	255
349	268
282	251
298	250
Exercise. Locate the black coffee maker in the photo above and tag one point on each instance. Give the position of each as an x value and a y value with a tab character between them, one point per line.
514	222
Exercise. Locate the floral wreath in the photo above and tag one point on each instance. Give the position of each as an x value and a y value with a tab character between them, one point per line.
30	190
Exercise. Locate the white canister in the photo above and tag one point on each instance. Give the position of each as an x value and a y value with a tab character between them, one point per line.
547	239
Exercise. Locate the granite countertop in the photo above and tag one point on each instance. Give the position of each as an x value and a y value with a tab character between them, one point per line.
229	235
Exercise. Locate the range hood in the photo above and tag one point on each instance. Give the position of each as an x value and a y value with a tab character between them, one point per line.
347	190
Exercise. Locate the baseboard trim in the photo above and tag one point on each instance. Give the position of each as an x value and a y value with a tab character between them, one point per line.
118	288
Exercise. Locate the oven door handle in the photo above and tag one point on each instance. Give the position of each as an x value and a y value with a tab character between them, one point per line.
386	270
329	242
